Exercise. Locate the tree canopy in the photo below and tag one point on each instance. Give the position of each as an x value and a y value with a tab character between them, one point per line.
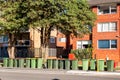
71	16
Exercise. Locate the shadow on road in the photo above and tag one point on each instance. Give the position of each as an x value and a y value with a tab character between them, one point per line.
55	79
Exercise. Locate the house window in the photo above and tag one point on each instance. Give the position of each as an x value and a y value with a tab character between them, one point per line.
52	39
107	27
62	39
83	44
3	39
107	44
107	9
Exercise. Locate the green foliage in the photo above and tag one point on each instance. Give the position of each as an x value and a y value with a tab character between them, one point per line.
71	16
82	53
12	19
75	17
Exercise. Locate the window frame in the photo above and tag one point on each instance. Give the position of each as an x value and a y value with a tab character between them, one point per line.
110	44
110	8
82	43
62	39
110	26
52	39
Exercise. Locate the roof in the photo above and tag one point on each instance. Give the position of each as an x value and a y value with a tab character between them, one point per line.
97	2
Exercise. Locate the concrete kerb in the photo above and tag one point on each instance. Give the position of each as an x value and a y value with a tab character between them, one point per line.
92	72
52	71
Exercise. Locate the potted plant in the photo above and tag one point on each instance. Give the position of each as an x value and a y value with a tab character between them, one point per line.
83	55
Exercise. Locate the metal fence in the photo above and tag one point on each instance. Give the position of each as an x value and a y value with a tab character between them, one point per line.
52	52
25	52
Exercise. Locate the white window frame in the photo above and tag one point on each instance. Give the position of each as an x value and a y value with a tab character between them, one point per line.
109	28
62	39
110	8
80	43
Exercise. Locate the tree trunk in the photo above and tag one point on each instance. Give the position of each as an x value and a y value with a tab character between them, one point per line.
68	46
11	48
11	52
45	51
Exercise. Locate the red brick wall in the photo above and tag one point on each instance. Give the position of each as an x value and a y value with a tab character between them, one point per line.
74	40
113	54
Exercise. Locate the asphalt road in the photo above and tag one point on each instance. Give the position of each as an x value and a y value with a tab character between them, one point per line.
8	74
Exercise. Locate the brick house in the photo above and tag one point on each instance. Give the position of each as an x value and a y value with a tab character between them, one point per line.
105	33
105	36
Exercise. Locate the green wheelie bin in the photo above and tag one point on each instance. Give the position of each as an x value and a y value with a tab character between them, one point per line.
85	64
93	64
110	65
100	65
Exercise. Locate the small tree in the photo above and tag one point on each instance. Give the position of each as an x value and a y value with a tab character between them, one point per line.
83	53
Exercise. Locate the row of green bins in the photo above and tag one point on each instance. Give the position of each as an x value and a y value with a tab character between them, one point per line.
100	65
62	64
30	62
55	64
34	62
85	64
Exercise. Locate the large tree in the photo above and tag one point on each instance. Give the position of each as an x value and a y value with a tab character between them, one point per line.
38	14
76	19
71	16
12	21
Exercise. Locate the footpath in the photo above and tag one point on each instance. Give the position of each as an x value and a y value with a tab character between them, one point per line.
60	71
